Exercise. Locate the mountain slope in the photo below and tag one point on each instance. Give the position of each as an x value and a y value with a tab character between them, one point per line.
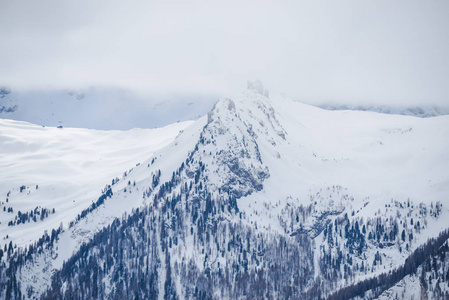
430	280
263	198
64	169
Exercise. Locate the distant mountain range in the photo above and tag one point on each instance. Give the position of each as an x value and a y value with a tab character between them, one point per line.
100	108
416	111
117	109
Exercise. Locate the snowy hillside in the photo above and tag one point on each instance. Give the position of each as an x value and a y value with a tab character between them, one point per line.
429	281
63	170
262	198
99	108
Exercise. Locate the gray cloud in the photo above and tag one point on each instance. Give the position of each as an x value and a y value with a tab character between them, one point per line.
345	51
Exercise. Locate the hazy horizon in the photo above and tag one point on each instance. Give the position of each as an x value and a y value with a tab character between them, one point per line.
385	53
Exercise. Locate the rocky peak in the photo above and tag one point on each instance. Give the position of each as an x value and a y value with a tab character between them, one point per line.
257	87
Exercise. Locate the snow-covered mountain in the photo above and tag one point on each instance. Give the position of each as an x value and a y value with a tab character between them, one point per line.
264	197
99	108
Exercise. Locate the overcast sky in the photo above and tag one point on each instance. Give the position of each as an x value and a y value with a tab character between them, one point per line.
386	52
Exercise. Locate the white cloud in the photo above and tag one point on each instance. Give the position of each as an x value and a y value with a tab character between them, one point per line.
347	51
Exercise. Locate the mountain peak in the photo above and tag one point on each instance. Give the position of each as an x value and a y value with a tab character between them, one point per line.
256	86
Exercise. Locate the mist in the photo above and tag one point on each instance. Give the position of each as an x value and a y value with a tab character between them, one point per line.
356	52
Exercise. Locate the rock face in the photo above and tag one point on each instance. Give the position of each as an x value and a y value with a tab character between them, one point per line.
235	153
